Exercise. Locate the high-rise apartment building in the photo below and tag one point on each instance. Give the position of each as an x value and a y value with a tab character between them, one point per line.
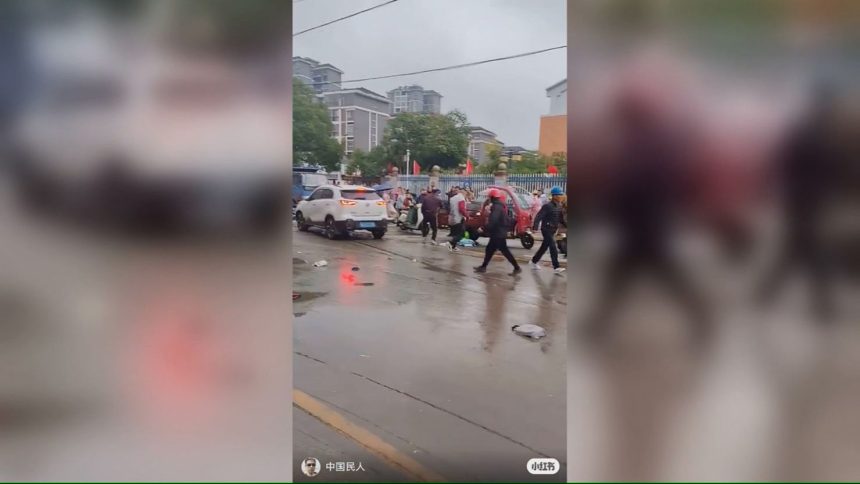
415	99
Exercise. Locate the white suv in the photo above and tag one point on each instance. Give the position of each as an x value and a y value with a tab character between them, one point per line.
342	209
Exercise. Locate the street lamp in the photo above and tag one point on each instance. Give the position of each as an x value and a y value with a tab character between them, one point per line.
399	131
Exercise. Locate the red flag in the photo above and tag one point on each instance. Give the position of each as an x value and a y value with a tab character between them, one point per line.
552	170
469	166
416	168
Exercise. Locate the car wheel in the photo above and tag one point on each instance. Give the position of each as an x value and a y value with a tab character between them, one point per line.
527	240
378	234
300	221
330	230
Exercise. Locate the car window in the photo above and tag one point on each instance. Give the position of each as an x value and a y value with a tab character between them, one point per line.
311	180
80	93
359	195
524	200
315	195
326	194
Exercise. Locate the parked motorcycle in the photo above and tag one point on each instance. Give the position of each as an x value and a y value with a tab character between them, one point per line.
410	219
561	243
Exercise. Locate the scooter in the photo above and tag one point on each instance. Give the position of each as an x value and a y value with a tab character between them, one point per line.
561	243
411	218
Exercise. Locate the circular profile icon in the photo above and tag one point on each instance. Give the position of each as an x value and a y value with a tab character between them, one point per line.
311	467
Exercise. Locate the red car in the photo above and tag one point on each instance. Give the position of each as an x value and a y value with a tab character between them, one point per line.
519	212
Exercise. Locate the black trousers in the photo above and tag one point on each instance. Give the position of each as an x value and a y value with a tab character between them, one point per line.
548	243
500	244
656	259
457	232
801	250
429	219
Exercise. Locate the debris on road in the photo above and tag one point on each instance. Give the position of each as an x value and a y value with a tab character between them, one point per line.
320	263
532	331
296	296
364	356
364	283
355	268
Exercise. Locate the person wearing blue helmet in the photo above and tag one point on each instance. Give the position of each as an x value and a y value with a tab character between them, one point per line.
549	218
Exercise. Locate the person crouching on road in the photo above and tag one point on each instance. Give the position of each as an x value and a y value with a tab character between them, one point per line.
429	210
497	226
457	217
549	218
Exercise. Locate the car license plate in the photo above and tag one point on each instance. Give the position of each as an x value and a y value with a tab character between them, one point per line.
366	225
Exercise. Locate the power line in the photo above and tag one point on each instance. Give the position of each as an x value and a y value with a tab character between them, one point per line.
345	17
447	68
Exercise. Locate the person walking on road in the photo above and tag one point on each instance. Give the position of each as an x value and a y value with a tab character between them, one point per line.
430	206
543	198
497	226
457	217
549	218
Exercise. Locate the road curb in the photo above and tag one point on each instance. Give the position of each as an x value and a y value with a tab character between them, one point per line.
364	437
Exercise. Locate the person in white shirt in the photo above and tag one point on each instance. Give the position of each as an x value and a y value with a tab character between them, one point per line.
536	206
543	198
456	217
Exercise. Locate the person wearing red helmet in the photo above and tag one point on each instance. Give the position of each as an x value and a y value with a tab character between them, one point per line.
497	228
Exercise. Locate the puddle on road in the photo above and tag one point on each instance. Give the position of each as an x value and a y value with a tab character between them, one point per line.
298	315
298	261
442	270
309	296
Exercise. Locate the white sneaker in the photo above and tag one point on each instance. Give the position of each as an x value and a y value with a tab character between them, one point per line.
535	267
456	249
559	270
450	247
433	242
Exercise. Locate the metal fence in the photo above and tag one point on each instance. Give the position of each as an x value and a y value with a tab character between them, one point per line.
529	182
533	182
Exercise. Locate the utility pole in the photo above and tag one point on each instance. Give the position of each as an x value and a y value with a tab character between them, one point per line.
408	162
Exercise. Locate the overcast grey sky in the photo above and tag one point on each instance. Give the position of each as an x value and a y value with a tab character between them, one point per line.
507	97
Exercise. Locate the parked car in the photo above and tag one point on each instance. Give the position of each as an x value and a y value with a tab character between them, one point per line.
341	210
305	181
519	213
174	142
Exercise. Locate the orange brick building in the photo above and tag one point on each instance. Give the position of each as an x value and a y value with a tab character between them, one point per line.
553	127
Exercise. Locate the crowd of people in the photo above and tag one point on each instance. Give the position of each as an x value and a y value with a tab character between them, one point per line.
547	212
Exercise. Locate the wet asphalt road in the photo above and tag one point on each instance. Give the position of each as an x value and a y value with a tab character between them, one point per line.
417	349
131	359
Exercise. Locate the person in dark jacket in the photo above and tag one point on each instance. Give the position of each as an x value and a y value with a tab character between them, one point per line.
497	228
429	210
806	174
642	203
549	218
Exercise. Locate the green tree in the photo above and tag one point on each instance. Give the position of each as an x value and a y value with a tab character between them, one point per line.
490	166
431	139
528	163
371	163
312	141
